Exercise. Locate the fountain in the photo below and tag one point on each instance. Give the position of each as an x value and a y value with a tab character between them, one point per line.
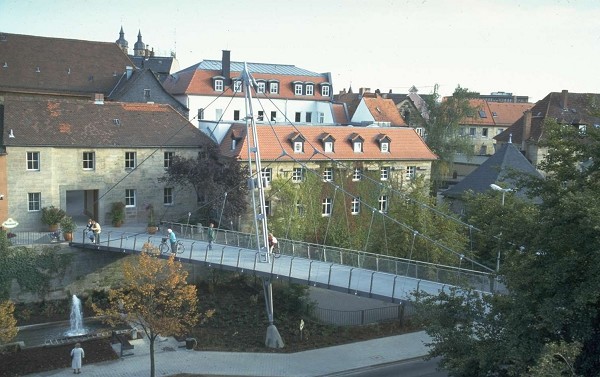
76	319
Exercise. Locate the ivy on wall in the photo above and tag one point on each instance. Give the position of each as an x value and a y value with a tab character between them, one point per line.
33	268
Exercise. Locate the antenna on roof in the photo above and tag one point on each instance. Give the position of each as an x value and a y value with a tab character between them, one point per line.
510	138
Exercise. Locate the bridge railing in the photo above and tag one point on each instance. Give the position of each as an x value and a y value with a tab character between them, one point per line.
451	275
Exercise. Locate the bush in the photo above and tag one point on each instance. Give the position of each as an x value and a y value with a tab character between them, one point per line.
52	215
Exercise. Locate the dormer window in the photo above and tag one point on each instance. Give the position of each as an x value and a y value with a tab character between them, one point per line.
328	142
218	85
298	89
384	143
260	87
237	86
325	90
357	143
273	87
297	142
310	89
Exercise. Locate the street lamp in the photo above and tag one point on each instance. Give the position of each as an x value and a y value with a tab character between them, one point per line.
498	188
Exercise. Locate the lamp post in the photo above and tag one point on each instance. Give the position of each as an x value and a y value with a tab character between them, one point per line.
498	188
495	187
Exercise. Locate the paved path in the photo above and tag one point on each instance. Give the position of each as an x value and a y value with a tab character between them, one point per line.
171	359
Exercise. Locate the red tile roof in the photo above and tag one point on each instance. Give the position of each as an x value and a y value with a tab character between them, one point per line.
384	110
275	143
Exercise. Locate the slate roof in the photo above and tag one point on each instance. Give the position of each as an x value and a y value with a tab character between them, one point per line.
79	123
160	65
352	100
50	65
577	111
197	79
405	143
507	158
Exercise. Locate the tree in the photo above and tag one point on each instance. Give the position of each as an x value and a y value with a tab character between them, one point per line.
155	297
442	130
216	179
551	272
8	323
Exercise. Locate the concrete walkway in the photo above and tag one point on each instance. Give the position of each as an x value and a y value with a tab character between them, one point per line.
171	359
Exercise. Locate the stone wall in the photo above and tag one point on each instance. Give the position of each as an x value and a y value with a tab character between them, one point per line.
89	270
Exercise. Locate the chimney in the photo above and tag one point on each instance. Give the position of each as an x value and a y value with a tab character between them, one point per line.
226	66
564	96
362	91
526	129
99	99
129	70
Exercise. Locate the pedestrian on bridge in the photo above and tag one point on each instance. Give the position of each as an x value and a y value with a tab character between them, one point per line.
172	240
211	235
97	229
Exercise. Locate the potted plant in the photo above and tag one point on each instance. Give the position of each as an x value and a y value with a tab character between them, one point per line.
117	213
152	224
51	216
67	225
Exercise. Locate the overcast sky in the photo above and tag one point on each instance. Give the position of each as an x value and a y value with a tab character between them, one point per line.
527	47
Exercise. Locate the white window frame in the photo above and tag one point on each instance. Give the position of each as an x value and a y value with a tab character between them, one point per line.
297	175
384	173
298	147
267	175
168	196
321	117
274	87
33	161
410	172
168	159
261	87
89	160
310	90
326	207
355	206
357	147
298	89
328	146
325	90
130	160
34	201
237	86
485	132
357	174
219	85
383	203
130	198
420	131
328	174
385	147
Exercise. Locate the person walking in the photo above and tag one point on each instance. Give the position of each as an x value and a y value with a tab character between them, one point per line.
272	242
211	235
89	231
172	240
97	229
77	355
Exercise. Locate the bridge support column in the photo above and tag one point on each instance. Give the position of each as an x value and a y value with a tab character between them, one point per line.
273	339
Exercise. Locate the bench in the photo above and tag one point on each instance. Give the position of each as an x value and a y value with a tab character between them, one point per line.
125	345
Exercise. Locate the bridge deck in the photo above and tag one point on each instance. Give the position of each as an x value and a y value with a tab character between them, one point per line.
362	276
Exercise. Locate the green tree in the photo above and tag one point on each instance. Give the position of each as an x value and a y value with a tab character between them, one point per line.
550	271
442	130
155	297
215	179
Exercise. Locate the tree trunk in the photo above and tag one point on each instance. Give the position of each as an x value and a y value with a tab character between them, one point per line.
151	339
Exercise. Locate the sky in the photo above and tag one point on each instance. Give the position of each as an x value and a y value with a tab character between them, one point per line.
524	47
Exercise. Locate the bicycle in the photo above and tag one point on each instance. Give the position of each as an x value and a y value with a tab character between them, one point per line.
165	247
275	251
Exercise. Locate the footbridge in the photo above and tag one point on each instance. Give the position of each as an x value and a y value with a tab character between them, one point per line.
349	271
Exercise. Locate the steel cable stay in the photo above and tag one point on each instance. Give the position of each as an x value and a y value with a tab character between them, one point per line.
401	224
369	232
347	166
